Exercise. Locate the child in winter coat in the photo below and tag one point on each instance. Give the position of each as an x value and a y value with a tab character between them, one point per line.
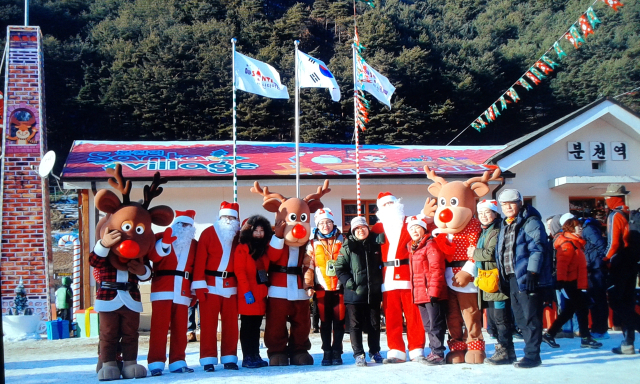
321	278
428	286
572	279
250	266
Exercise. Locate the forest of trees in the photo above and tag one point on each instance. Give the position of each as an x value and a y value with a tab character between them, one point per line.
161	69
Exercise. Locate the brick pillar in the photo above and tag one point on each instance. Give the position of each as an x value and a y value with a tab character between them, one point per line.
26	245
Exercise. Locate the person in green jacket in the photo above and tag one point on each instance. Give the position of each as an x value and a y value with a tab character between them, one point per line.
497	303
64	300
359	269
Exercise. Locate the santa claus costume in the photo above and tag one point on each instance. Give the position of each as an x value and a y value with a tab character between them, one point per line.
216	288
396	288
173	259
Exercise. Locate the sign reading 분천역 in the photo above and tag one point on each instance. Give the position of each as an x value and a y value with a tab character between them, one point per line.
195	159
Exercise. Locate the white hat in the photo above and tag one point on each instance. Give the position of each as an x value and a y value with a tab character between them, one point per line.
384	198
509	195
229	209
420	220
358	221
187	216
321	214
567	216
491	204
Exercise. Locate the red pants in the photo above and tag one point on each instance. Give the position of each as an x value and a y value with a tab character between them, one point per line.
463	308
213	307
166	315
276	337
395	303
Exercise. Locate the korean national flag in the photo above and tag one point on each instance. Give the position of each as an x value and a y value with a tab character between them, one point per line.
313	73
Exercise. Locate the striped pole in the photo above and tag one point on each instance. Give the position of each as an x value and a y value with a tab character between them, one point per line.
233	76
297	121
75	285
355	123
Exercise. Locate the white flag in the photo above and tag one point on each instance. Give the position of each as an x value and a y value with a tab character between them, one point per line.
370	80
313	73
257	77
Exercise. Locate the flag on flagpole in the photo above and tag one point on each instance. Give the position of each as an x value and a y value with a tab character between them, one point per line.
313	73
254	76
370	80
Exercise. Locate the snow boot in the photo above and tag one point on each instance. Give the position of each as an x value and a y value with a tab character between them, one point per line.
589	342
624	349
132	370
376	357
261	362
502	356
547	338
337	358
528	363
327	359
250	361
109	371
278	360
302	358
231	366
360	361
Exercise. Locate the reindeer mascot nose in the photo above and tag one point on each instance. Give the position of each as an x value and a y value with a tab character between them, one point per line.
446	215
299	232
129	249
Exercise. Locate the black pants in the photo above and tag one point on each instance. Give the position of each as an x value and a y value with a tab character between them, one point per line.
435	324
332	314
364	318
314	312
623	275
598	293
527	309
250	334
192	318
575	303
502	318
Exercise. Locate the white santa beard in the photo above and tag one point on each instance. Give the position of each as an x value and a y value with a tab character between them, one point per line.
184	236
228	231
391	215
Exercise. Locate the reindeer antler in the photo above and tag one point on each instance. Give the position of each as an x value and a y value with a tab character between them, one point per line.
265	193
154	190
319	193
484	178
119	183
431	174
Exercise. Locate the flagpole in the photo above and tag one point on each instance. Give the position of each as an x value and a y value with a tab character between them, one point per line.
355	124
297	111
233	76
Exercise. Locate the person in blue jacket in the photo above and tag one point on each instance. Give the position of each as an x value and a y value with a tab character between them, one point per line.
594	250
524	259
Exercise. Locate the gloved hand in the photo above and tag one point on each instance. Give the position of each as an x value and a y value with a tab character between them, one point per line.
350	285
248	298
167	237
530	282
361	290
201	294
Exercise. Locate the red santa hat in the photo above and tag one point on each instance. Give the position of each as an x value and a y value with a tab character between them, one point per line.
321	214
384	198
491	204
187	216
229	209
420	220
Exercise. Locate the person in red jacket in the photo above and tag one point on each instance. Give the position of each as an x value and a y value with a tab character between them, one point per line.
172	259
427	283
251	265
216	287
571	272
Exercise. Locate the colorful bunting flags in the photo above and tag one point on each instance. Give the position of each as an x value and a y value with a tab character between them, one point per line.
543	67
525	84
495	109
537	73
368	2
551	63
593	19
559	51
615	4
577	39
585	26
488	114
513	94
533	78
503	103
476	126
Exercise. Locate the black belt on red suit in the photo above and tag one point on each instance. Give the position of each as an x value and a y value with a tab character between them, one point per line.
287	270
223	274
118	286
396	263
168	272
455	264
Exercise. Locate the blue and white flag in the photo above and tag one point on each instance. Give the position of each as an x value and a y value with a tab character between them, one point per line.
257	77
370	80
313	73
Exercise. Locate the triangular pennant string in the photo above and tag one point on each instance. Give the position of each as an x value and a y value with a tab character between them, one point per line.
503	103
593	19
544	67
559	51
525	84
615	4
550	62
585	26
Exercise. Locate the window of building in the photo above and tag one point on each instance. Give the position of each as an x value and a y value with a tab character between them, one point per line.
528	201
350	210
583	206
598	166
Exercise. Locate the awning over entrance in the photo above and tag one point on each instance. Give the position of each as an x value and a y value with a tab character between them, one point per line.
592	182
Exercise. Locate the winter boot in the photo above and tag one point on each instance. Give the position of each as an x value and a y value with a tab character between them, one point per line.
528	363
547	338
327	359
376	358
360	361
589	342
248	362
132	370
261	362
209	368
501	356
231	366
337	358
109	371
624	349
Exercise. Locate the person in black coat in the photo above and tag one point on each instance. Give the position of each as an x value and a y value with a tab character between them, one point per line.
359	269
594	250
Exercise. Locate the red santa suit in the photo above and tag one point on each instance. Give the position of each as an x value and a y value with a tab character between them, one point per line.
213	271
287	302
171	296
463	301
396	289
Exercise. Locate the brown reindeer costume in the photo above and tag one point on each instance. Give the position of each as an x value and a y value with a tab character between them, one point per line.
120	259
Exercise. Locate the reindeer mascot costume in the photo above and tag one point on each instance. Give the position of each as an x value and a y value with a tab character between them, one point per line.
453	212
288	302
119	258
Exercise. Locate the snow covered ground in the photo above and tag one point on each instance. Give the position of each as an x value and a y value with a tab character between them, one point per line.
73	361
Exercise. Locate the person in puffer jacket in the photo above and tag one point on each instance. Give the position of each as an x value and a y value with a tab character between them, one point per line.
428	287
595	250
571	270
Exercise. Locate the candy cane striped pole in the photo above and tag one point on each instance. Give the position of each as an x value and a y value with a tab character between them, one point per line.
75	285
355	119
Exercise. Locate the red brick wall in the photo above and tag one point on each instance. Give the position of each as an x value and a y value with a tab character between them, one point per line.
25	215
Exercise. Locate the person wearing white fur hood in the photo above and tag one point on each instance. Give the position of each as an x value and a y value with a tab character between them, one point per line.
396	288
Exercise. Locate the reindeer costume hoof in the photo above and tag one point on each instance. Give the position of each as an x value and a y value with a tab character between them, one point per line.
303	358
475	357
455	357
133	370
109	371
279	360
